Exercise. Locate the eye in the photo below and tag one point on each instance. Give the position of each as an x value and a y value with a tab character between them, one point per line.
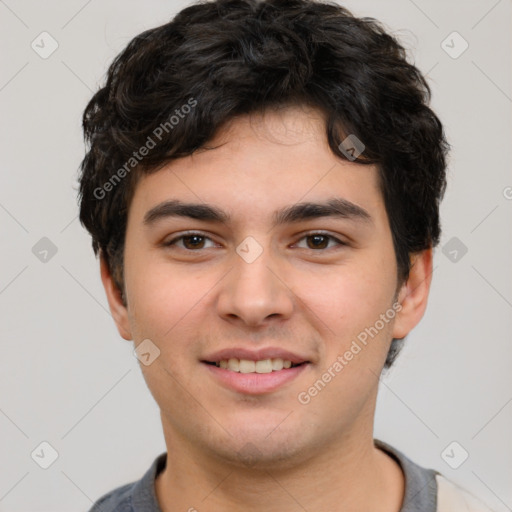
191	241
319	240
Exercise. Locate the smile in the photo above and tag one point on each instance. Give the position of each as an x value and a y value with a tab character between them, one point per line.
255	377
247	366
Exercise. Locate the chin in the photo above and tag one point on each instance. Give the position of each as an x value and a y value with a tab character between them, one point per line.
255	457
260	447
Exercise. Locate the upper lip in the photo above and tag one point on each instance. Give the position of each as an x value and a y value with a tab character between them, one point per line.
255	355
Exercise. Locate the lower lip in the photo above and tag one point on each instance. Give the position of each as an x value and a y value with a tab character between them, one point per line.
255	383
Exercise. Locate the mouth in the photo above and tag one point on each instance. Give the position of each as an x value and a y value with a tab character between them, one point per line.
260	377
260	366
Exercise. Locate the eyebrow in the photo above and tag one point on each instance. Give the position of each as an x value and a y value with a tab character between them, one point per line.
335	207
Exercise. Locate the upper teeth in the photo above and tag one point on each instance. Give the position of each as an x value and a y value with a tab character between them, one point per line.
247	366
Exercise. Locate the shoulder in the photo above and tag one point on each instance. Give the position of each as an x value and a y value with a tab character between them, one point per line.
452	498
117	500
430	491
135	496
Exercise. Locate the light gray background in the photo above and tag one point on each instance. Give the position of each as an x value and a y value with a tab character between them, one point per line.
69	379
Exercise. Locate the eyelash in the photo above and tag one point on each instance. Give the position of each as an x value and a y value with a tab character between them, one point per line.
173	241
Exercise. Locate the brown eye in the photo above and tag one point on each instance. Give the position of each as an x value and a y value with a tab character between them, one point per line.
189	242
319	241
193	241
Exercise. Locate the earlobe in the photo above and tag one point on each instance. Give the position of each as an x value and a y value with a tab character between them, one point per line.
115	301
413	295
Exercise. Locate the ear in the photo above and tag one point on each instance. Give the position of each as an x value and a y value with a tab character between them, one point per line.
413	295
115	302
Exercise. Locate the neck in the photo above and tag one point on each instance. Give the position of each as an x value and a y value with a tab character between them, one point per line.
353	475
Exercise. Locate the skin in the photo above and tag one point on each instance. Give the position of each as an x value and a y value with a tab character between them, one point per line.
230	450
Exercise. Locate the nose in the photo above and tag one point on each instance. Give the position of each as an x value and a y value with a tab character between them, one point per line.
254	292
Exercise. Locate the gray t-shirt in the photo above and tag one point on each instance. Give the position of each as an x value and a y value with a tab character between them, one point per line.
421	488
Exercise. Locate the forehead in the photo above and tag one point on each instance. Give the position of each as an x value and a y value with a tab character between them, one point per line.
259	163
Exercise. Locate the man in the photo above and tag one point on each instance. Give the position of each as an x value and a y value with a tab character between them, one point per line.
262	186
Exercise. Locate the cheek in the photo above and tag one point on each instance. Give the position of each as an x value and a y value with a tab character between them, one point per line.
348	297
164	308
348	303
160	297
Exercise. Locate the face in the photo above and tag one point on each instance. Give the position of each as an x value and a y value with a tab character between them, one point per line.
253	279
